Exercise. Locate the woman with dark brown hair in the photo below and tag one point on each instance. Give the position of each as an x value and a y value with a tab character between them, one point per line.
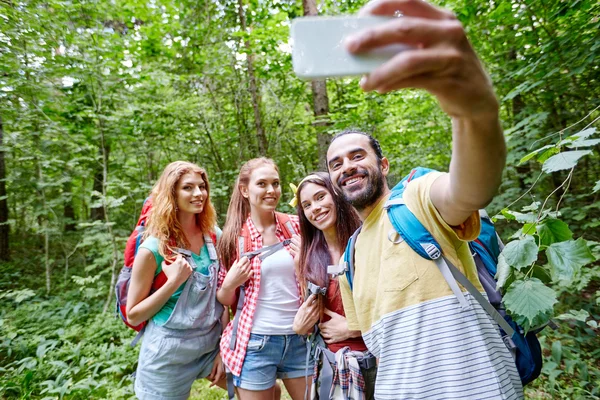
326	224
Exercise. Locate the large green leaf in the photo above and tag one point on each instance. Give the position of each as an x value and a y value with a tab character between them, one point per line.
596	187
529	302
521	253
564	160
566	258
552	231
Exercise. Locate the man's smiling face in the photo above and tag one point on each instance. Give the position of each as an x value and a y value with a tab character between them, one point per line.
355	170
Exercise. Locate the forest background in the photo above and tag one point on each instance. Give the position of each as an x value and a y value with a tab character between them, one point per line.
96	97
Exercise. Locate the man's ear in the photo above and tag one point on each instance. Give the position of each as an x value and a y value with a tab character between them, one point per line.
385	166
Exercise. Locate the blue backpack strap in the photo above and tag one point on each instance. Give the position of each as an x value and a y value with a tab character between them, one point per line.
349	256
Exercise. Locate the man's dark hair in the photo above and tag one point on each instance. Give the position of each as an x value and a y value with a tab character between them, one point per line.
372	141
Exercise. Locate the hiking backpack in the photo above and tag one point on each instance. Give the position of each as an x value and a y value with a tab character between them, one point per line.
486	248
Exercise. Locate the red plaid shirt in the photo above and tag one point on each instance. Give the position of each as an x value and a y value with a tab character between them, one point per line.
234	359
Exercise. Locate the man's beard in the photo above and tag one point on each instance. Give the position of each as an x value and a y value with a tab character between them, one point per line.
369	195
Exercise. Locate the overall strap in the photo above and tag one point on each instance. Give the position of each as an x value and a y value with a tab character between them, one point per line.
210	245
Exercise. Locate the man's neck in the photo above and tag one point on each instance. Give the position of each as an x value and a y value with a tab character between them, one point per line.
365	212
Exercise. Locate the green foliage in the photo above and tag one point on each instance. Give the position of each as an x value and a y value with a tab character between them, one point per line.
97	97
530	302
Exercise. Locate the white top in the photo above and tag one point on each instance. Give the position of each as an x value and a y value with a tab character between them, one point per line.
278	300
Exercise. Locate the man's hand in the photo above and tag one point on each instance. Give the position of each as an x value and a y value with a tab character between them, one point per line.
336	329
295	246
442	61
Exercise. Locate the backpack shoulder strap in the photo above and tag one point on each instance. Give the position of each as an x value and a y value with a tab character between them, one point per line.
210	240
349	257
286	224
244	241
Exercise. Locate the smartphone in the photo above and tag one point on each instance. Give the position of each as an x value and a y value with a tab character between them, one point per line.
319	51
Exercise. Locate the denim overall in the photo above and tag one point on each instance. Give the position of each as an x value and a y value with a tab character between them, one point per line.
182	350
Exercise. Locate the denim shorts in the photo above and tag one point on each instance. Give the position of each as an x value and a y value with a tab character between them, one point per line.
171	360
269	357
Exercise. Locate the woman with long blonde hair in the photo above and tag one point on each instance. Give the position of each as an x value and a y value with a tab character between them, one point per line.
185	321
257	249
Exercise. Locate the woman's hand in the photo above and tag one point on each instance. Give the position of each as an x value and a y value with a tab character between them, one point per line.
295	246
336	329
240	272
307	316
218	371
178	271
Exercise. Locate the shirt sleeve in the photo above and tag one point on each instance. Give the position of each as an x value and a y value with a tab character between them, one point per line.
418	200
348	301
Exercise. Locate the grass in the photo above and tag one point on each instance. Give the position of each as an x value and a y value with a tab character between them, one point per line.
202	391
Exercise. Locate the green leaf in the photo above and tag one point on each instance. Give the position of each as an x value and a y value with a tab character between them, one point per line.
566	258
503	271
583	143
529	302
597	187
521	253
564	160
520	217
532	207
579	315
557	351
584	134
553	231
533	153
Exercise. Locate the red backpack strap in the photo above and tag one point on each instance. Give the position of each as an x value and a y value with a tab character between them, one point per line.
286	225
244	241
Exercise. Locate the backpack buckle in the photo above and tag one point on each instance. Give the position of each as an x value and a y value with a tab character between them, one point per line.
314	289
337	269
432	250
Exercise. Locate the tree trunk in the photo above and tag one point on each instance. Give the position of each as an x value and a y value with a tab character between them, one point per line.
97	213
320	101
4	227
69	210
263	145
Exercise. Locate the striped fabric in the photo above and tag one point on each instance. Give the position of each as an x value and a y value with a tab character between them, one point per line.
234	359
436	350
428	346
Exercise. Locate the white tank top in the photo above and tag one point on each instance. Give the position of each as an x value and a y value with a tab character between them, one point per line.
278	299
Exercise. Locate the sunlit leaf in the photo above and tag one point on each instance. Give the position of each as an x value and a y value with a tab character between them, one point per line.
564	160
579	315
584	143
534	153
596	187
503	271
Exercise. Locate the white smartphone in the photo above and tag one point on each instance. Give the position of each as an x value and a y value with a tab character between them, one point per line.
319	51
